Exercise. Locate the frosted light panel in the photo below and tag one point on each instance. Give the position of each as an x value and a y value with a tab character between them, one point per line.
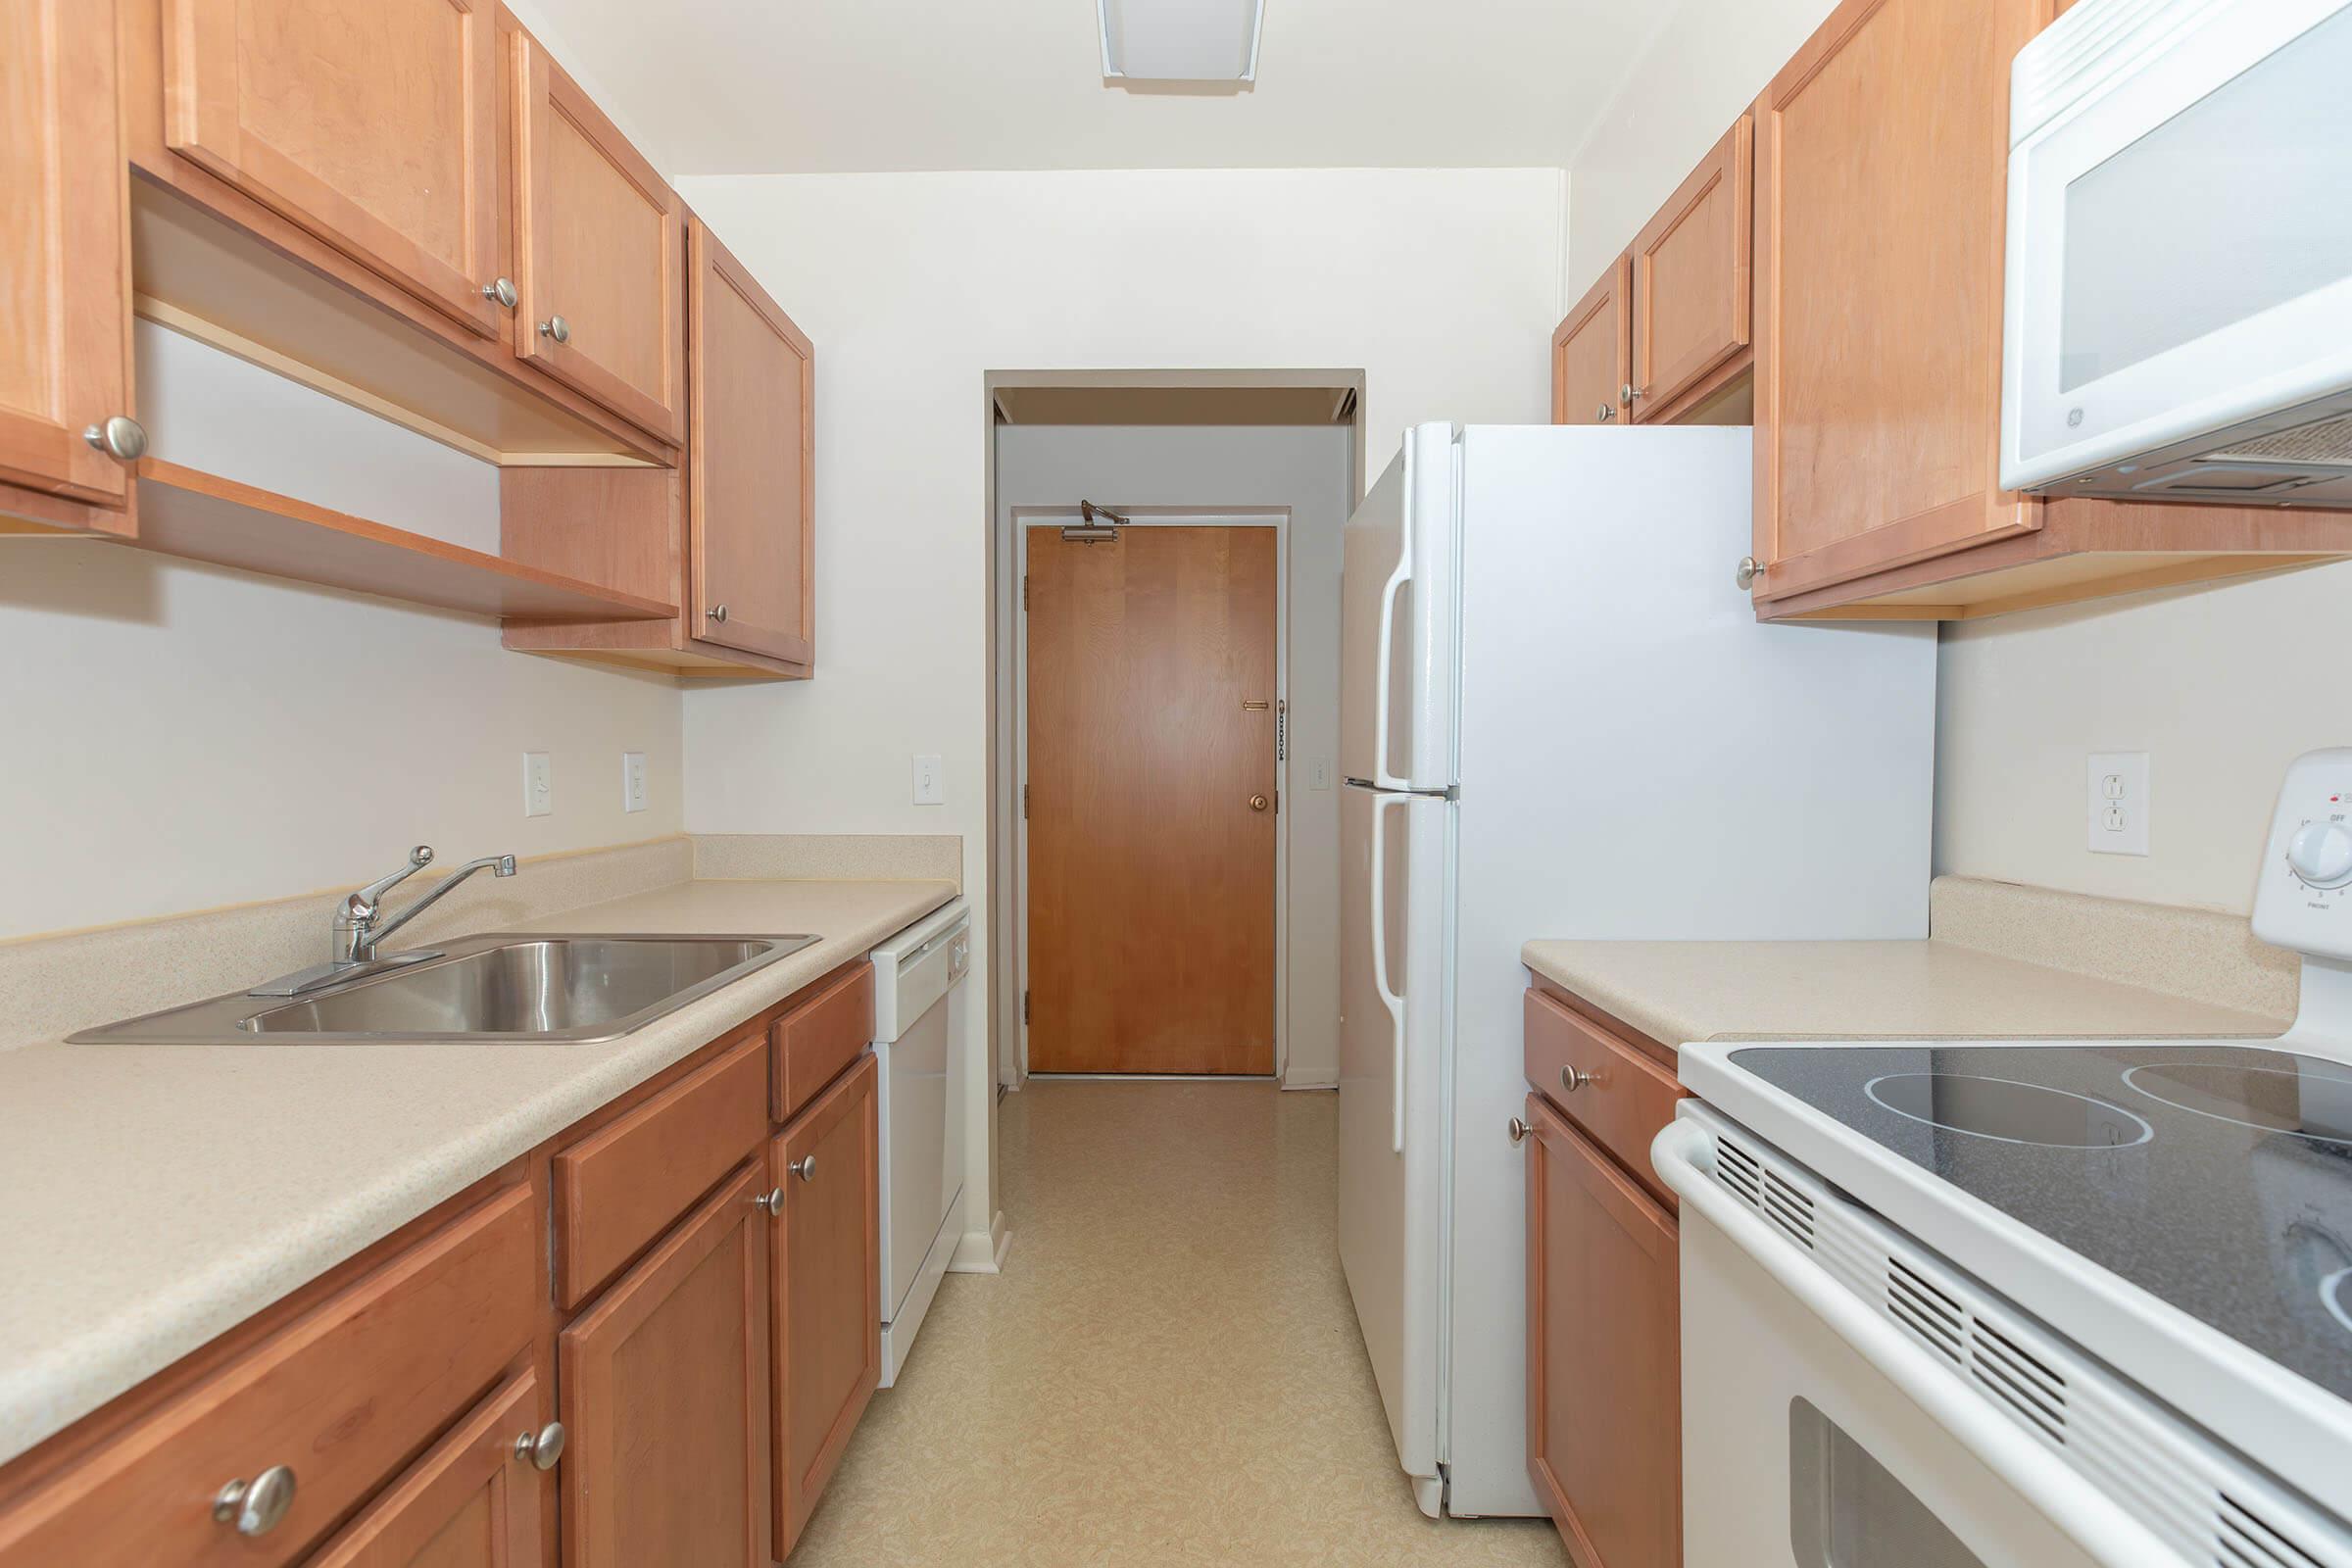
1180	40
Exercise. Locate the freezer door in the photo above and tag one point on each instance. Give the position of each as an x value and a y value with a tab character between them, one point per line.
1398	592
1391	900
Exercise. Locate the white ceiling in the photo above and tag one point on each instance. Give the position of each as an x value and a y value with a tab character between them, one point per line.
758	86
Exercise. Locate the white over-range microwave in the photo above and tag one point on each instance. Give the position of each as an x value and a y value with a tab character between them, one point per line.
2178	313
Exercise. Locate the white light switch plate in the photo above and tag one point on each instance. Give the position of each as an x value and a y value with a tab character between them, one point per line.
632	781
2115	796
538	785
1318	774
929	788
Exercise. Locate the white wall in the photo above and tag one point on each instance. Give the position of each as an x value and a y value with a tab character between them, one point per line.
1307	470
179	737
2220	686
1440	284
1704	67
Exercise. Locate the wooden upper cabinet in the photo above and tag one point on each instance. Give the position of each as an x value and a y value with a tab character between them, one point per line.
369	122
1881	154
1591	355
751	492
828	1290
1603	1353
600	249
472	1502
664	1396
1692	281
65	261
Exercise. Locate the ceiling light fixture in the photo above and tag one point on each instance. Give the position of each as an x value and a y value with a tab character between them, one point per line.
1180	40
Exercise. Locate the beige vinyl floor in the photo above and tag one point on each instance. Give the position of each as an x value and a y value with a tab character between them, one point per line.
1168	1371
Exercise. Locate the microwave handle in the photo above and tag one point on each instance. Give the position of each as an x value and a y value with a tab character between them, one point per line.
2093	1521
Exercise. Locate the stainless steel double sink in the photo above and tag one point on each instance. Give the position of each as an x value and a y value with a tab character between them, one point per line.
521	988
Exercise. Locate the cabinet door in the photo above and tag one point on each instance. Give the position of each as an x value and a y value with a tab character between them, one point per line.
369	122
1881	156
1692	279
1591	354
64	272
828	1290
472	1502
750	484
599	252
664	1396
1603	1353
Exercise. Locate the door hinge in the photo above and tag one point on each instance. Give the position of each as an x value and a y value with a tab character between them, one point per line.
1024	1007
1024	802
1024	590
1278	802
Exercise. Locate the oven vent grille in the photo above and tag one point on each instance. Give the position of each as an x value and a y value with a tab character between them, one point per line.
1737	1170
2017	1378
2243	1539
1927	1312
1788	1208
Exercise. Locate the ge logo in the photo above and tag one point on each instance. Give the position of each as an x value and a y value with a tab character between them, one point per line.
2074	416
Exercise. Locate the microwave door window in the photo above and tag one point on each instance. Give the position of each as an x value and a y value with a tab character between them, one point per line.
2230	207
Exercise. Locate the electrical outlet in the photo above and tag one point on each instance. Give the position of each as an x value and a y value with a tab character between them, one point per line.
929	788
2116	820
632	781
538	785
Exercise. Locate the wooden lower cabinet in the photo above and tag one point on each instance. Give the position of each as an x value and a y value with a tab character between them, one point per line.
664	1384
827	1290
1603	1353
474	1501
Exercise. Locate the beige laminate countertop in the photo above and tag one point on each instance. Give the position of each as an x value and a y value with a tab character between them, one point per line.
152	1197
1680	992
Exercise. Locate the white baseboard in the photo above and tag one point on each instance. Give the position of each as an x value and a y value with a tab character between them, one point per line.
1311	1083
983	1252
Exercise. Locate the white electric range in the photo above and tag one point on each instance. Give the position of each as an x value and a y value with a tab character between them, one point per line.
2032	1303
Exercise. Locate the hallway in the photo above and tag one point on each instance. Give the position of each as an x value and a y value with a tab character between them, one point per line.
1168	1371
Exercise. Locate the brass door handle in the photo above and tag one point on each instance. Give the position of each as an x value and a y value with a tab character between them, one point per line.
1257	802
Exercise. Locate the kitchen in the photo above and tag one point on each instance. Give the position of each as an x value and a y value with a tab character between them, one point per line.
517	529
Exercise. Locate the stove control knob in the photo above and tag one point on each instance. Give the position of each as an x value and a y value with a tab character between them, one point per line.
2320	854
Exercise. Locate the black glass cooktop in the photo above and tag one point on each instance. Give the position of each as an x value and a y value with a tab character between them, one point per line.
2217	1177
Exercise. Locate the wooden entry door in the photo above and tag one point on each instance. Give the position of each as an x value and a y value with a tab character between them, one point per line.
1151	801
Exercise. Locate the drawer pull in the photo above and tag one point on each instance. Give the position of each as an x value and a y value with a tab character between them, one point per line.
804	1167
542	1447
256	1507
1573	1078
770	1202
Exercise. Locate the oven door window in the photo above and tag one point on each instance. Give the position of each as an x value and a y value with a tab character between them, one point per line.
1847	1510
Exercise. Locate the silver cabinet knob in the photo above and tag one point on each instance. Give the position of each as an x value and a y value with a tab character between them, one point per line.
119	435
556	327
716	613
770	1202
256	1507
1627	393
1573	1078
1604	413
542	1447
1519	1130
501	290
804	1167
1747	571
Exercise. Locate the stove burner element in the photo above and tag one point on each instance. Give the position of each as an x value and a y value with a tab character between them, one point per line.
2007	1110
2335	1293
2307	1099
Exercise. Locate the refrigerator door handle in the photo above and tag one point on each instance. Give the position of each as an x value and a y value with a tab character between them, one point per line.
1382	778
1389	998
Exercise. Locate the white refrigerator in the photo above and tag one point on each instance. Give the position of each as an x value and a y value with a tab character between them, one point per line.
1560	717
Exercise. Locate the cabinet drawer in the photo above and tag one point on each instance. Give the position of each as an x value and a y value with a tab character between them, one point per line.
621	1188
820	1037
341	1397
1621	1099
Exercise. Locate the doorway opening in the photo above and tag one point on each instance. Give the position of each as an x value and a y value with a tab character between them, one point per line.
1164	849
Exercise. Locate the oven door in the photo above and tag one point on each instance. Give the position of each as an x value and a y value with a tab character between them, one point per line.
2179	248
1817	1436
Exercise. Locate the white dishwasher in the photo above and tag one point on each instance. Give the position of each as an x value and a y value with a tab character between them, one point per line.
918	1046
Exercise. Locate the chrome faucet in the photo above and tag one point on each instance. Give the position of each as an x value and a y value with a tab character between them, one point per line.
360	928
